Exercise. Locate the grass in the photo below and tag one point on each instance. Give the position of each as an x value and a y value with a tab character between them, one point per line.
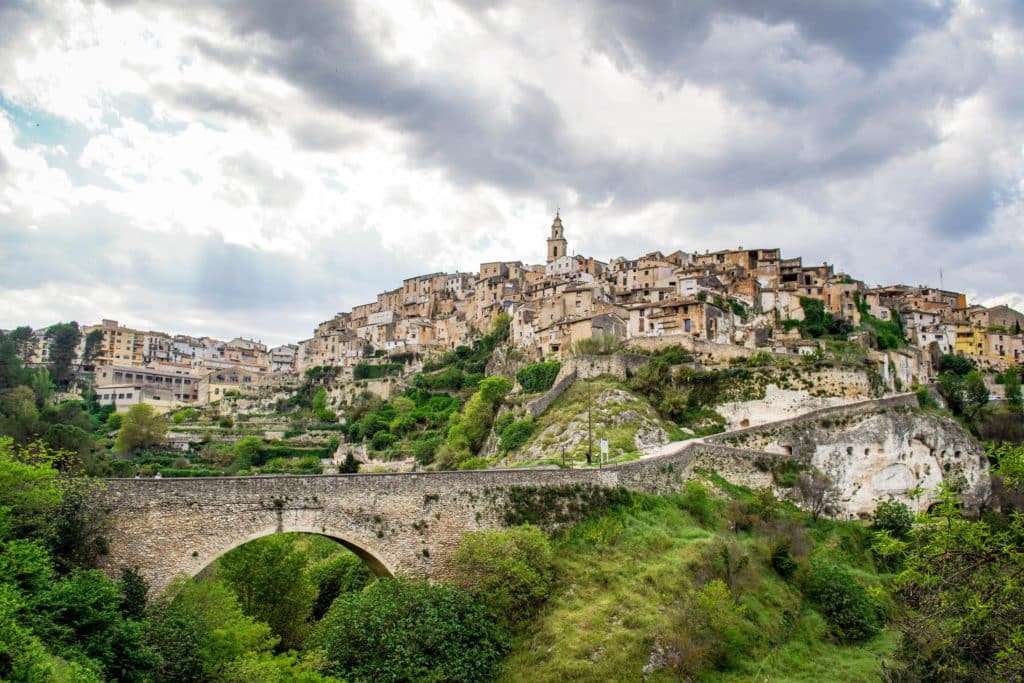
622	575
571	407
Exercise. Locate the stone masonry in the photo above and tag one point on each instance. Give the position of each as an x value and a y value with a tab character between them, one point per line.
411	523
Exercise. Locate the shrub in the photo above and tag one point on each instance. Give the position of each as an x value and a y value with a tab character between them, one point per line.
852	613
423	450
502	422
510	571
782	559
538	377
343	572
894	517
516	434
406	630
697	501
473	464
184	415
381	441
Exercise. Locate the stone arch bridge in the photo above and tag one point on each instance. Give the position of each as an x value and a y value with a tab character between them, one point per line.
411	523
406	523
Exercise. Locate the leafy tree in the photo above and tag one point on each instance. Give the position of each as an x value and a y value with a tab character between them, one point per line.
320	409
958	365
80	617
19	415
962	591
407	630
1011	382
10	362
852	612
976	392
894	517
268	575
468	431
537	377
247	452
516	434
92	346
64	339
141	427
201	631
343	572
509	571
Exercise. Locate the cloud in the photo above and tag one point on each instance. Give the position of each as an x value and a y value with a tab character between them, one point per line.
218	162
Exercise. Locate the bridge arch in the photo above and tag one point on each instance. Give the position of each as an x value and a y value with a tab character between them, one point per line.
373	560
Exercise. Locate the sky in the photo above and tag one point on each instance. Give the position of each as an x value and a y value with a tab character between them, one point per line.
252	167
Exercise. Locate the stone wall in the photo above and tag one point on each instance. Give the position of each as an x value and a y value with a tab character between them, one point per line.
562	382
619	365
411	523
708	352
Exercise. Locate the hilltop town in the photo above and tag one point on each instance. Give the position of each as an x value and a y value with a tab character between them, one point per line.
719	305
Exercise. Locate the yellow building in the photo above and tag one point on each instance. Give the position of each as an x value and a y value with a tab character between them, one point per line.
120	346
970	340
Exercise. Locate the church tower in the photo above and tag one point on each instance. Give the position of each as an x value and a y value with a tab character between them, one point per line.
557	245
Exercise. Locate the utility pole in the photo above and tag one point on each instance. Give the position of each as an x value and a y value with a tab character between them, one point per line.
590	427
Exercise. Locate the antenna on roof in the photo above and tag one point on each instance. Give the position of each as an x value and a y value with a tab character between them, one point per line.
941	286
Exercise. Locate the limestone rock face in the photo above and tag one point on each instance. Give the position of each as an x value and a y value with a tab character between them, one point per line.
888	454
612	409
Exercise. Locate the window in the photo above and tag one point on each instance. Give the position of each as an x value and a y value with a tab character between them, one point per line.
686	324
120	395
128	395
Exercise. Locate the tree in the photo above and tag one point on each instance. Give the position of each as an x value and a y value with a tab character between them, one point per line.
93	344
510	571
340	573
141	427
268	576
64	339
320	409
962	592
1011	382
894	517
80	616
10	362
19	416
816	491
408	630
203	630
976	393
958	365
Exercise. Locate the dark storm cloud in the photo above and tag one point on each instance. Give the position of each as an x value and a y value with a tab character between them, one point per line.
867	32
202	100
964	209
830	109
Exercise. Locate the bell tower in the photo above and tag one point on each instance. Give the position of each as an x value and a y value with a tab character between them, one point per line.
557	245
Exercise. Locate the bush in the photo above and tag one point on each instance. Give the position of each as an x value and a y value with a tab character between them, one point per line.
697	501
423	450
516	434
509	571
853	614
406	630
782	559
473	464
894	517
343	572
538	377
381	441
